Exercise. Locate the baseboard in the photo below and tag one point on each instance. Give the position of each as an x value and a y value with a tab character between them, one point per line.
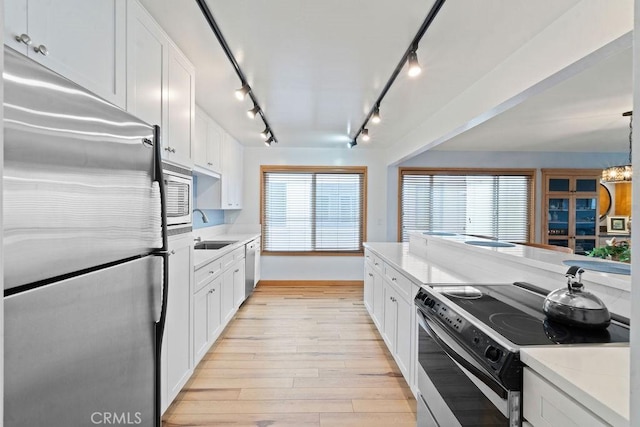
311	283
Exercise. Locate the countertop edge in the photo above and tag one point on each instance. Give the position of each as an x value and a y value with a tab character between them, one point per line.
583	397
209	255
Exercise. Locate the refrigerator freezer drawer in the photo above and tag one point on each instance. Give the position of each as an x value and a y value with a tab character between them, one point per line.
82	349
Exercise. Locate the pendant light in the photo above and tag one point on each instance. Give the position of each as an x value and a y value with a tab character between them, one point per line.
269	141
252	113
365	134
265	133
621	173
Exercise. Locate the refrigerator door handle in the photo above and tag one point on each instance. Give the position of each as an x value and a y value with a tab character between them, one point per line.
164	253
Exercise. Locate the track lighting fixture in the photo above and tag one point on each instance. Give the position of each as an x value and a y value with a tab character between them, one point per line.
375	117
242	92
414	66
252	113
410	58
269	141
265	133
245	89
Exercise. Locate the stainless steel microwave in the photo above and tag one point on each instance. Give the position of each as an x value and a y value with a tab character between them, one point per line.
178	183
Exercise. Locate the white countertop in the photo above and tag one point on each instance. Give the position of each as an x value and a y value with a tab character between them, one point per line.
416	268
201	257
596	376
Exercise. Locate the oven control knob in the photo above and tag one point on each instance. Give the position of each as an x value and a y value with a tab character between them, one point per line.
493	354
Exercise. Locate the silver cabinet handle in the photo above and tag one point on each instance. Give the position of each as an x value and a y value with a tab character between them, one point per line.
211	271
24	38
42	49
170	149
172	252
210	164
237	270
173	150
393	279
371	275
375	263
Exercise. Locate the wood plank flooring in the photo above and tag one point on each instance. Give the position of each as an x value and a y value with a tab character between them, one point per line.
297	356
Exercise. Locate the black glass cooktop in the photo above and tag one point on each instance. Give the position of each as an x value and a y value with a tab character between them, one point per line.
515	312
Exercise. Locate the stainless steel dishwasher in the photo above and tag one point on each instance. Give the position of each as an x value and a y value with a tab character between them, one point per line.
251	266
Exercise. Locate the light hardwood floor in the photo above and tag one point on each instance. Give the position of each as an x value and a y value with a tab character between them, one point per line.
297	356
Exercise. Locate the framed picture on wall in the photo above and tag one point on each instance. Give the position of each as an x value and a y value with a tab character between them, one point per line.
617	224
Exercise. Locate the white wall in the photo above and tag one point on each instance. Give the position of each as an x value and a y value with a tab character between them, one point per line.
486	159
584	28
312	267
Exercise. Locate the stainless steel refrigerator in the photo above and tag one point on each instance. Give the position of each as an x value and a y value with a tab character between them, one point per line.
85	256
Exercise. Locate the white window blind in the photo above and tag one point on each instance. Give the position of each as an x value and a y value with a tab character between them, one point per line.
498	206
313	211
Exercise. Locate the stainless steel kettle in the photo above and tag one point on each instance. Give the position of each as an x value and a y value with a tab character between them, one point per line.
574	306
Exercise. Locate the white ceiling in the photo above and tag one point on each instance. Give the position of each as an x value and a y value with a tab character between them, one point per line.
317	67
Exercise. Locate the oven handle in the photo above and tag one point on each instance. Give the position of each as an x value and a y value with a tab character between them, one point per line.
460	356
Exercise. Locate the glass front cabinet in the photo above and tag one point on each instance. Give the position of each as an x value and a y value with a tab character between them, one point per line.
570	208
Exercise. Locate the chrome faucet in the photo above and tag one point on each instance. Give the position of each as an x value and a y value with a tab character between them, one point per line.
204	216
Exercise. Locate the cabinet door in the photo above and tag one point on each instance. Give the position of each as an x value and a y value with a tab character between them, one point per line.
146	66
214	146
85	41
15	24
180	108
368	287
378	300
177	332
201	323
238	283
390	317
403	337
213	305
227	296
200	139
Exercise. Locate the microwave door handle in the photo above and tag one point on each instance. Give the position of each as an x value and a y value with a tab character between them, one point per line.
459	355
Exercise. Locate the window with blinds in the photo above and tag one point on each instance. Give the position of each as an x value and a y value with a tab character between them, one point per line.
313	209
492	204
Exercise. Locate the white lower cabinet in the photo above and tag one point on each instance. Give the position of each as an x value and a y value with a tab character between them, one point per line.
545	405
389	299
206	317
176	362
227	296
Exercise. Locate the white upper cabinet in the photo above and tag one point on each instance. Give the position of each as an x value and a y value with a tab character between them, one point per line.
160	84
79	39
180	125
146	66
232	170
208	142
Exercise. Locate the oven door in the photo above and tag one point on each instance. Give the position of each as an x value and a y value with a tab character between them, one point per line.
454	388
179	193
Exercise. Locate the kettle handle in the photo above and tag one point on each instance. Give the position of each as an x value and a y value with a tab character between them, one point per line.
574	285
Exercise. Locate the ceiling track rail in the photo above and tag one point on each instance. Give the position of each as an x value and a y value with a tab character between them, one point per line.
413	46
225	47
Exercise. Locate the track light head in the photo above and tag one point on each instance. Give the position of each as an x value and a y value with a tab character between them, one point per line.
365	134
269	141
242	92
352	144
375	117
265	133
414	66
252	113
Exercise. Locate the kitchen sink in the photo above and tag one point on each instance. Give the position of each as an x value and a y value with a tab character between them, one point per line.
213	245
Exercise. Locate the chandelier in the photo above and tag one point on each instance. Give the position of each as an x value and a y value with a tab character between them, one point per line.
621	173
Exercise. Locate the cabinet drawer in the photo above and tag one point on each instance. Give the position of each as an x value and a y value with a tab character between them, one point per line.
238	254
543	404
402	284
205	274
227	261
